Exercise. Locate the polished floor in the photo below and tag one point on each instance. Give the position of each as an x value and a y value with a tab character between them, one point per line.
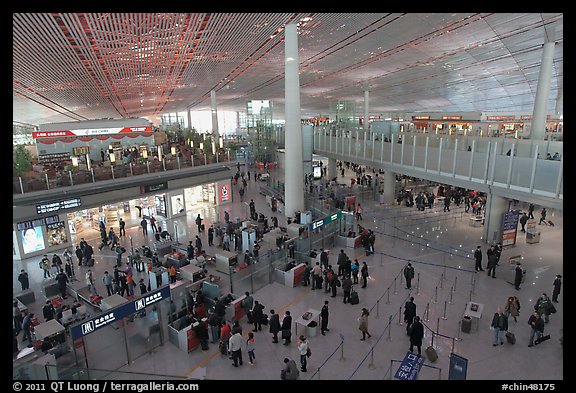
439	245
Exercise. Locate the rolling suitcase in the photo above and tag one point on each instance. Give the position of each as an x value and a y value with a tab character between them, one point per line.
354	299
466	324
510	337
550	223
541	339
431	354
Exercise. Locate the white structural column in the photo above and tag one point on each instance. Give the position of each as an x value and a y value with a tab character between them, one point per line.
537	130
389	187
294	170
215	133
189	119
365	122
331	172
496	206
559	101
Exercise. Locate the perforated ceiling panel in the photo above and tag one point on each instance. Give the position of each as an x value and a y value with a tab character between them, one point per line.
111	65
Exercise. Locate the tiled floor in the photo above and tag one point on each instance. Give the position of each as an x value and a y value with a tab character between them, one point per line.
435	243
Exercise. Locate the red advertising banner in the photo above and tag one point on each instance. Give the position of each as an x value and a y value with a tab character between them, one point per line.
224	192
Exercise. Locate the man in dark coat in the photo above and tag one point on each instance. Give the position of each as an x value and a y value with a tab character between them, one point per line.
557	285
287	328
523	221
478	258
409	313
416	335
346	287
324	318
24	280
62	280
257	314
341	262
324	259
409	275
518	275
274	325
492	261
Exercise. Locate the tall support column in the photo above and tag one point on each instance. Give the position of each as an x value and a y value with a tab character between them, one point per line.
215	133
389	187
294	172
189	119
537	130
559	102
365	122
496	206
331	168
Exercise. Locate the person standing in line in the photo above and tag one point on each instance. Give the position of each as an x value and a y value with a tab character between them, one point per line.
303	349
24	280
316	276
324	318
478	258
409	313
199	223
211	236
225	334
537	324
122	226
142	286
107	280
409	275
355	269
334	283
416	335
26	326
544	307
274	327
523	220
359	211
324	259
190	250
287	328
62	280
512	307
89	277
306	274
144	225
198	245
235	347
557	285
346	287
500	326
364	274
48	311
250	348
531	211
518	273
363	326
172	274
257	314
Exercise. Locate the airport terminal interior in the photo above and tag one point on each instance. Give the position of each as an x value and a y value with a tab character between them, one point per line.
419	187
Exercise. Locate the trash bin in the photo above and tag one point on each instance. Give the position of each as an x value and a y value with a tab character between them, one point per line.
312	329
532	237
466	324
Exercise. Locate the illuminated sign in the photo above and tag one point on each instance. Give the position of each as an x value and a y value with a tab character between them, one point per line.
451	117
420	117
146	188
512	117
57	205
224	192
90	131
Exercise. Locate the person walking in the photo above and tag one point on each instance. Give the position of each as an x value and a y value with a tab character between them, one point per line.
518	273
557	285
500	326
250	348
543	217
363	326
89	279
364	274
153	224
544	307
303	349
512	307
409	313
290	371
355	269
144	225
359	211
523	220
24	280
274	325
122	226
537	324
409	275
214	324
26	326
346	287
531	211
287	328
334	284
211	236
416	334
478	258
235	347
62	280
199	223
324	318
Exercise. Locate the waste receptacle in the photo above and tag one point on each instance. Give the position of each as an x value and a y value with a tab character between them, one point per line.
312	329
466	324
532	237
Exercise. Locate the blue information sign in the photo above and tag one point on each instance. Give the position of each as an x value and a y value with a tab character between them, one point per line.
117	313
458	367
409	367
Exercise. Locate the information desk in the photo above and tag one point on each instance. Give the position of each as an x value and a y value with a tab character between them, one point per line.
50	328
225	259
315	314
474	311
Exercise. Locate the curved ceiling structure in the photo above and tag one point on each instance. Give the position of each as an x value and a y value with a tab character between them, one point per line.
84	66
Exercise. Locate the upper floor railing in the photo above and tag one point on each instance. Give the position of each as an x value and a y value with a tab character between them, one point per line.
498	162
47	179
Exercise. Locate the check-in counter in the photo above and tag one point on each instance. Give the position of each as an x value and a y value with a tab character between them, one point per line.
235	311
177	259
182	334
293	230
290	278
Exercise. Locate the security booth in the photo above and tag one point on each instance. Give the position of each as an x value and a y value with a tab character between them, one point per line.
122	333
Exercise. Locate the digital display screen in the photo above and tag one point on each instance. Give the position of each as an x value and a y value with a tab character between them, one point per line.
32	239
56	233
